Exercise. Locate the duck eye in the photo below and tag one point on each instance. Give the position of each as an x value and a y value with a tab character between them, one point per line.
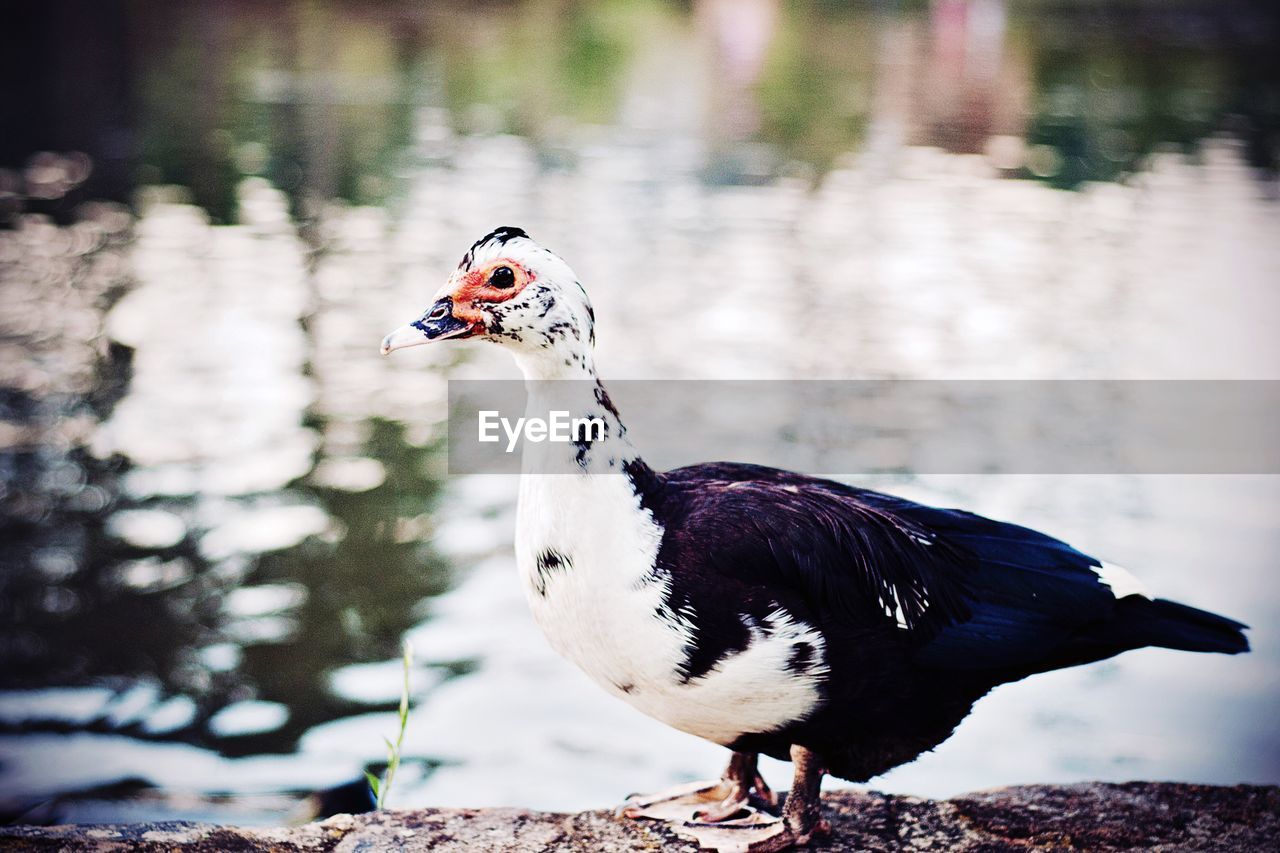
502	278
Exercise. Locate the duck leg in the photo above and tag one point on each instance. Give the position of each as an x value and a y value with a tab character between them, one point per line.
737	783
802	811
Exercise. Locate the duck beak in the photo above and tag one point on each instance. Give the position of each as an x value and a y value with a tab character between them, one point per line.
436	324
405	336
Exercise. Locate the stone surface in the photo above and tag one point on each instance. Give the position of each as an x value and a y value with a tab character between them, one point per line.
1091	816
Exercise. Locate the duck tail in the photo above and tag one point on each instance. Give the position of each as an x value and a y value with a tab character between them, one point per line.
1170	625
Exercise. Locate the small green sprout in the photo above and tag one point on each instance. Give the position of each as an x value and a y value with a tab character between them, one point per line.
381	787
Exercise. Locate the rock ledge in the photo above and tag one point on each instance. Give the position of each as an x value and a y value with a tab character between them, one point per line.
1090	816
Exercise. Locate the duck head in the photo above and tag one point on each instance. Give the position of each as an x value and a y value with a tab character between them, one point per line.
509	290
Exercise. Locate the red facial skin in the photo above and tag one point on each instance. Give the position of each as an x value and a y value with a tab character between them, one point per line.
473	289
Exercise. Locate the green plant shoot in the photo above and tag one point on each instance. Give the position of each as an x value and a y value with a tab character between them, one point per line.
382	787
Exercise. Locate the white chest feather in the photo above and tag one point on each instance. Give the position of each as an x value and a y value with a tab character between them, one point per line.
586	552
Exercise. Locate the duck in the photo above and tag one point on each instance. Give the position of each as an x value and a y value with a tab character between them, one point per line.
842	629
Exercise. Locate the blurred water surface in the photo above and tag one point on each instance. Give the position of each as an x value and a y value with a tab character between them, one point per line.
221	510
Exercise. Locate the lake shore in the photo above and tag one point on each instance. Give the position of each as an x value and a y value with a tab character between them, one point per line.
1092	816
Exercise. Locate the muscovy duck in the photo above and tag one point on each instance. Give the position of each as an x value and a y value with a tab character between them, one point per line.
768	611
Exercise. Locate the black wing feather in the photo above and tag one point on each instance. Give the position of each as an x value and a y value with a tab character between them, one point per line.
966	591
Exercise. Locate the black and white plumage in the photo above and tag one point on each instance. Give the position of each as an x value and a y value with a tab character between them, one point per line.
768	611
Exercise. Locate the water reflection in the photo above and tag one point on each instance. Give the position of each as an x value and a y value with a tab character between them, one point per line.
220	511
326	100
190	518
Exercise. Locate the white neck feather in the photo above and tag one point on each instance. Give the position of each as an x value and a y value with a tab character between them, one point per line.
555	381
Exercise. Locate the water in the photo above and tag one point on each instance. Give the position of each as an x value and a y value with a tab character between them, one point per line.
222	511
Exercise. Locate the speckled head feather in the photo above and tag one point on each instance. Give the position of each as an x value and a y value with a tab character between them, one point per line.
510	290
499	236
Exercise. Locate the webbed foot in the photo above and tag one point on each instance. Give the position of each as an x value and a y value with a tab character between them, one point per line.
726	815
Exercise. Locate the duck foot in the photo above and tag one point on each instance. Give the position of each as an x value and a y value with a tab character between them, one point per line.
726	815
754	832
740	790
788	838
747	830
676	803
